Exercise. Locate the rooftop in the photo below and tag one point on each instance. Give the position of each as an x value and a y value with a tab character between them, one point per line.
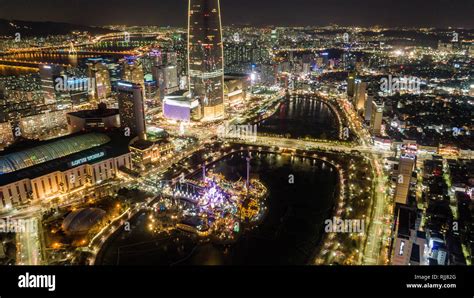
62	147
70	152
101	112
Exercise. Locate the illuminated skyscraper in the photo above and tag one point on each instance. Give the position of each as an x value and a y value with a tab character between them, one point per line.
405	170
351	83
165	73
98	73
368	104
133	71
376	117
48	75
206	56
360	95
131	109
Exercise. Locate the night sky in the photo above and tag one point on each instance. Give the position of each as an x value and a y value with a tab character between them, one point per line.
436	13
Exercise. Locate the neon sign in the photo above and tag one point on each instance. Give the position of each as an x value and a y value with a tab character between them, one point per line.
80	161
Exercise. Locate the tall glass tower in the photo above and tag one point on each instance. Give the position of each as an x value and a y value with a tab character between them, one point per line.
206	57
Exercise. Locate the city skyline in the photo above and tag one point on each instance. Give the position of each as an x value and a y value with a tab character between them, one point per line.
364	13
333	148
206	57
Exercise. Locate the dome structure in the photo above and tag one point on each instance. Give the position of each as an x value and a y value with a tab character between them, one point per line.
82	220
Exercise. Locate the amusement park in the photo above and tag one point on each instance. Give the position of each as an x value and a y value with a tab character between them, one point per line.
213	206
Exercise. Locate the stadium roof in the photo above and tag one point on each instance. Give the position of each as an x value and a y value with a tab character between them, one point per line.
82	220
53	150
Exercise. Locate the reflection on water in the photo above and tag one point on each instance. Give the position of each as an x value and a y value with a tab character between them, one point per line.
46	57
289	233
301	117
6	70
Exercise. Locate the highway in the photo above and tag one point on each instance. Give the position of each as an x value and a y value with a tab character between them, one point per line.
379	219
29	248
309	145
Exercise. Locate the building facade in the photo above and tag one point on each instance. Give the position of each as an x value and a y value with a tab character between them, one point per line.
206	56
58	167
131	109
99	73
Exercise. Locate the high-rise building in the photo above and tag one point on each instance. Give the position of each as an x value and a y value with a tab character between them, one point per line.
165	73
206	56
408	243
348	60
79	90
169	58
133	71
151	59
131	109
98	73
360	95
48	75
376	117
351	83
166	78
405	170
368	105
151	93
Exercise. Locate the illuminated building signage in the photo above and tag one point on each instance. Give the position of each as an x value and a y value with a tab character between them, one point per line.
402	248
80	161
125	85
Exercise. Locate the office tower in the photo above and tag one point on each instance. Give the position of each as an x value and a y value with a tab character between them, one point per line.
368	105
360	95
48	75
151	59
376	118
405	169
169	58
133	71
151	91
79	90
408	244
165	73
348	61
351	83
205	56
166	78
131	109
98	74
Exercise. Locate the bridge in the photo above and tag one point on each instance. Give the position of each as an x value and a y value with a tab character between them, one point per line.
67	47
25	63
301	144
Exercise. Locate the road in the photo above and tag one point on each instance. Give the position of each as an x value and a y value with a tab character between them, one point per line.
379	219
307	144
28	244
375	234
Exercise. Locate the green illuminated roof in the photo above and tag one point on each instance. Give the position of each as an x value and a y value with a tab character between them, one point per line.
33	156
